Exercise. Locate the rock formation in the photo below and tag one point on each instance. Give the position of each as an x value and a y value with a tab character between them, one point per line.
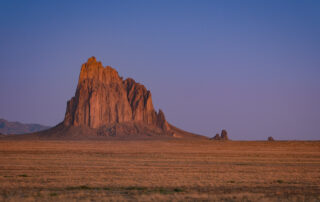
270	139
216	137
102	98
106	106
112	106
223	136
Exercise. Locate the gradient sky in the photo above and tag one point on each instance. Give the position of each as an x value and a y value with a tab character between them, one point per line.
251	67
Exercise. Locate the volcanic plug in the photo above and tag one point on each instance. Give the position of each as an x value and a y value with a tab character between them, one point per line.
106	106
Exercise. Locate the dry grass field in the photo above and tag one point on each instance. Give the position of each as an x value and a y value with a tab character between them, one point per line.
159	171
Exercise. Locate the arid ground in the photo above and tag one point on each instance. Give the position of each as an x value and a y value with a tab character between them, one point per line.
173	170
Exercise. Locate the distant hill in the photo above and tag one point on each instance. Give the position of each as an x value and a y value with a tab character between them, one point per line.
7	127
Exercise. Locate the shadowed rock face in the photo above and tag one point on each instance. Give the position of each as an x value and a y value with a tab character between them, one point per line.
140	102
102	98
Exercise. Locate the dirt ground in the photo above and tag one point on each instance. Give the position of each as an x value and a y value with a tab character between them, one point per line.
173	170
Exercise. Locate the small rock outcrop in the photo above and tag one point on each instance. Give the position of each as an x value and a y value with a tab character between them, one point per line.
216	137
223	136
270	139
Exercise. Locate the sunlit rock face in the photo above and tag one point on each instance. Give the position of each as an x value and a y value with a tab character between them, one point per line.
103	98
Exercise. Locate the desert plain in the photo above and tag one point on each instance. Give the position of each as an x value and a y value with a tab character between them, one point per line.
159	170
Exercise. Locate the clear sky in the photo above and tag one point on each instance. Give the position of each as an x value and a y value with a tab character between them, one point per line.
251	67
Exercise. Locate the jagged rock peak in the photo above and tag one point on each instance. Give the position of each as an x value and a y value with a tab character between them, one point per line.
103	98
94	69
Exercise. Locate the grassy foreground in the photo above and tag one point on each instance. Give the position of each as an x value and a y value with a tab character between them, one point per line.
174	170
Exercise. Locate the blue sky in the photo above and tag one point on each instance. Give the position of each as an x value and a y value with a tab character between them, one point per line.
251	67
